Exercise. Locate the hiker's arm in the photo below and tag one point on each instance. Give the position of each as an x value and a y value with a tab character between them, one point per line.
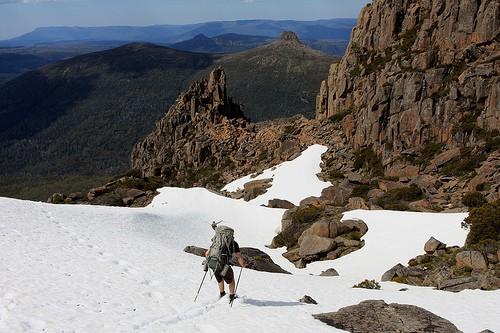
241	260
206	253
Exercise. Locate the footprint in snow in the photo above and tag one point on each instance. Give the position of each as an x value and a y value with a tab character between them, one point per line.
155	295
120	262
151	283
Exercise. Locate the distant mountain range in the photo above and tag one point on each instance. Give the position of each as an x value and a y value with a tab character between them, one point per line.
69	125
333	29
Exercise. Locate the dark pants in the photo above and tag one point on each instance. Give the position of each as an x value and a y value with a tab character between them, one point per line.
228	278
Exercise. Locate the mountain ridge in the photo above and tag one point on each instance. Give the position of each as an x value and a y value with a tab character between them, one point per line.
326	29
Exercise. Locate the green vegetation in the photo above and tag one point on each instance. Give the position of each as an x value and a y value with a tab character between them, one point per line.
484	223
335	175
473	199
430	150
367	160
360	191
308	214
81	117
400	279
398	199
368	284
483	187
353	235
464	164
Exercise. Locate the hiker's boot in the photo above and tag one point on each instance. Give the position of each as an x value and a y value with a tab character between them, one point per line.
222	294
232	297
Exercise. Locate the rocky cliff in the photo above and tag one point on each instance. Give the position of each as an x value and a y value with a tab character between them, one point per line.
414	70
420	78
204	139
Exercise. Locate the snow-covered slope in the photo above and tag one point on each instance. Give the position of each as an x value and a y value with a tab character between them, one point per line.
293	180
102	269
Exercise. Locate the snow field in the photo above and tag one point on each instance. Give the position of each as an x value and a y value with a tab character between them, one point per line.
104	269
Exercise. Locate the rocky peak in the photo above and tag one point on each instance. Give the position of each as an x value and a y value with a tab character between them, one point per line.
290	37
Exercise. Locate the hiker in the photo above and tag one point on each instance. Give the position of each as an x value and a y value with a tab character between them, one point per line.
219	256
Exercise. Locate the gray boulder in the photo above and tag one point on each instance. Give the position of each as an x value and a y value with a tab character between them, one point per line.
278	203
432	245
312	245
471	259
307	300
380	317
329	272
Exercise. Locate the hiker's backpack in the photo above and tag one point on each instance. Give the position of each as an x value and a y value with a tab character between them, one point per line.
221	250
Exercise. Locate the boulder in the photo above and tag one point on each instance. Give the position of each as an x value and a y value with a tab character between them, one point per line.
398	270
56	198
356	225
329	272
337	253
471	259
357	203
75	196
107	199
337	195
320	228
307	300
341	241
379	317
255	188
314	245
458	284
432	245
312	201
292	255
278	203
489	282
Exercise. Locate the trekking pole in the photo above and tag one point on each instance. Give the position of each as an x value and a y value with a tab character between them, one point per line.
237	283
201	284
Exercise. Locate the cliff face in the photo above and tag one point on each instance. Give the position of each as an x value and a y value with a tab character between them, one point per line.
417	72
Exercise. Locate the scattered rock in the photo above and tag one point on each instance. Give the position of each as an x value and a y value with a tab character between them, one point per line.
380	317
329	272
255	188
307	300
432	245
278	203
56	198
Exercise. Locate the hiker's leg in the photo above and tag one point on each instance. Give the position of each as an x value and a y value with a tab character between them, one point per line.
220	282
221	286
230	281
232	285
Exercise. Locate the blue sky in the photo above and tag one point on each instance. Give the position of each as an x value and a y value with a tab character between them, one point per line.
21	16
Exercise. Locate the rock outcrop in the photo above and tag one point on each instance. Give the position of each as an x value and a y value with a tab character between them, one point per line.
380	317
451	268
314	231
420	78
204	139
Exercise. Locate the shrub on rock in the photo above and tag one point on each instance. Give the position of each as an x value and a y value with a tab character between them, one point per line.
484	223
473	199
368	284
